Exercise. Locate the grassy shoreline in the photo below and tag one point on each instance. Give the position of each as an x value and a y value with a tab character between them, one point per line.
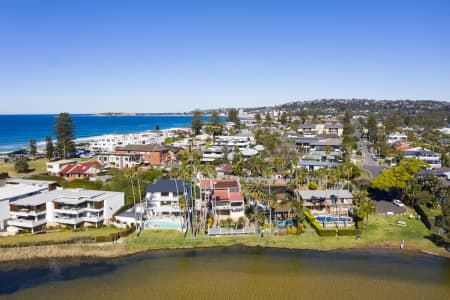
382	233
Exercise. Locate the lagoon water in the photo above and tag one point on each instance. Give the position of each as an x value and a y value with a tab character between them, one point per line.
233	273
17	130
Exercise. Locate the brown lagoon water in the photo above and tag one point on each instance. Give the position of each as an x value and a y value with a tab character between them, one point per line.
233	273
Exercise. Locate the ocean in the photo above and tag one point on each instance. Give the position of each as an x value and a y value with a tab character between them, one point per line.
17	130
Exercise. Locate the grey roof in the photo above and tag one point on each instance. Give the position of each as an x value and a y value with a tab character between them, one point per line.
167	186
307	126
327	142
308	195
337	125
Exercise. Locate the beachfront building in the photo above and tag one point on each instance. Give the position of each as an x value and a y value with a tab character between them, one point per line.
54	167
163	197
327	202
225	197
109	142
71	207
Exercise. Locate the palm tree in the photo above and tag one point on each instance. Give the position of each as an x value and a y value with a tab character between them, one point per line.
297	213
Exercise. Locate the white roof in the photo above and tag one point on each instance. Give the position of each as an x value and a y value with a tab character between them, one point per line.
14	191
30	182
69	196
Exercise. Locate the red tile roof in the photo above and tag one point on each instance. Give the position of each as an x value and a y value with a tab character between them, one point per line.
82	168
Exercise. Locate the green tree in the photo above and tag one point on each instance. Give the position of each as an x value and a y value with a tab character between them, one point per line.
49	149
372	128
283	118
233	116
444	219
65	134
397	177
196	122
21	166
258	118
33	147
214	126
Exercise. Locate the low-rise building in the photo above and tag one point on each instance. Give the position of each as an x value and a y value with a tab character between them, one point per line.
163	197
430	157
327	202
225	197
54	167
153	154
81	170
396	137
120	160
71	207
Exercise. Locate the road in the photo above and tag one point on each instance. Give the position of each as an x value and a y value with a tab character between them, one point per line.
368	163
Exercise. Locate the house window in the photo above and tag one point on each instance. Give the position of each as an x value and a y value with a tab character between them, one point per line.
164	194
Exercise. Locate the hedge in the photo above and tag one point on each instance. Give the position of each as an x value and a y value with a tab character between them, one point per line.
327	232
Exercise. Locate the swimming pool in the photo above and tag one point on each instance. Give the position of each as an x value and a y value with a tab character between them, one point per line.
163	224
332	219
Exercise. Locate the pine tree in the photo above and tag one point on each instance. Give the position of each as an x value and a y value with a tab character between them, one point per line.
33	148
65	135
196	123
49	149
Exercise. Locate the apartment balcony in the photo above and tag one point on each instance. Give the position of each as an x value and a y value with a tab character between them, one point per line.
24	223
67	220
69	210
27	212
93	219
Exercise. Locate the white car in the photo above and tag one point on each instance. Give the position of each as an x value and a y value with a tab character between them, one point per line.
398	203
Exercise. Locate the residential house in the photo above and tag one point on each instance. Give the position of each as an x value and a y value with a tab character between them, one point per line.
163	197
109	142
396	137
335	129
81	170
430	157
54	167
327	202
225	197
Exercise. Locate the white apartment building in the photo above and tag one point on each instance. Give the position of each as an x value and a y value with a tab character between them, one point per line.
71	207
109	142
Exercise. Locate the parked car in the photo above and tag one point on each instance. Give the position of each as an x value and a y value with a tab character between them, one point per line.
398	203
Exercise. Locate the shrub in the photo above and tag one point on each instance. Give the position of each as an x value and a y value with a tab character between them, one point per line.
313	186
21	166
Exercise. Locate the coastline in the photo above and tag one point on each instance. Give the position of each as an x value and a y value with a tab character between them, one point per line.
123	249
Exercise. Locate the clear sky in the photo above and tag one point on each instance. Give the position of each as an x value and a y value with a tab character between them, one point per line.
160	56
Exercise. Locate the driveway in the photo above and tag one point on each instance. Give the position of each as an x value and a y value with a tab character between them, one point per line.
383	207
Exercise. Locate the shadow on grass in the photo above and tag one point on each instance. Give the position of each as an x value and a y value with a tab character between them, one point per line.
437	240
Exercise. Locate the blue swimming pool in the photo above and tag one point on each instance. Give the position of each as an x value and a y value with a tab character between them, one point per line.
163	224
333	219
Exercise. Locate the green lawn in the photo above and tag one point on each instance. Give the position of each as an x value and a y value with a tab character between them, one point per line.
381	231
39	166
62	235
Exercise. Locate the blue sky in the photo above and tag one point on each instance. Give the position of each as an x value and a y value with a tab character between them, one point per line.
160	56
